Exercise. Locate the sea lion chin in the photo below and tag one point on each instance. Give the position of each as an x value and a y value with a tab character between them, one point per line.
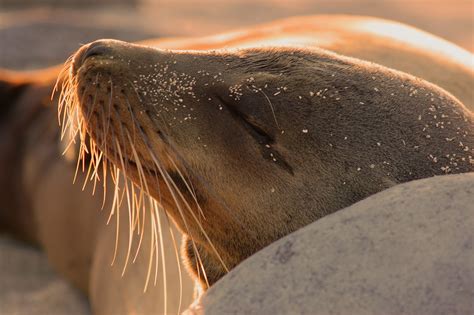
242	147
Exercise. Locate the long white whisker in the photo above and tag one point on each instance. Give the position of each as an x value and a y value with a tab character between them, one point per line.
271	107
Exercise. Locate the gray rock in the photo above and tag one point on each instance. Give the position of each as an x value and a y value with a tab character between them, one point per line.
28	285
406	250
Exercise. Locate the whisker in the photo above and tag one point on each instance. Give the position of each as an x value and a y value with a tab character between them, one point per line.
150	261
171	190
160	232
193	194
167	180
180	276
271	107
117	231
118	148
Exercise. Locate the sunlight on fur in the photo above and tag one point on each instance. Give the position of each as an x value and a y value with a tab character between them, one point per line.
92	160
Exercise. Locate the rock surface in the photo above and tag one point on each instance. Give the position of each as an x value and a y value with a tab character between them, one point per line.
406	250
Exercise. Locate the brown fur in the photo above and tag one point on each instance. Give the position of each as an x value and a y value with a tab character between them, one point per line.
391	44
23	104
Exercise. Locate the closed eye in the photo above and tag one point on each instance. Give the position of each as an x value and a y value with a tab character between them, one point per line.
262	138
255	131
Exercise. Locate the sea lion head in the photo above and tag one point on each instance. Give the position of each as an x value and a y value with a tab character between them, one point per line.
242	147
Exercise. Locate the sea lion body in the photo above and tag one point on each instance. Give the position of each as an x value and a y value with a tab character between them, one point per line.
338	155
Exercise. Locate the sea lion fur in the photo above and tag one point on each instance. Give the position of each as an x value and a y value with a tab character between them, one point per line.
300	132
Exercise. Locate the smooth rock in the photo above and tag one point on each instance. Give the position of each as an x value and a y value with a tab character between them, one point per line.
406	250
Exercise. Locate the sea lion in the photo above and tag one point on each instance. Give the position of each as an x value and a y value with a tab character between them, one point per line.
23	101
245	146
351	36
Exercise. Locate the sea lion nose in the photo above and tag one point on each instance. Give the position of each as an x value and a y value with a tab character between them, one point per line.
97	48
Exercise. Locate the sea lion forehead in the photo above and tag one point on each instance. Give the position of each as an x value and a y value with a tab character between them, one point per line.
268	59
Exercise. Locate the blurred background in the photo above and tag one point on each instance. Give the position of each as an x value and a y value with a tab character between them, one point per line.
39	33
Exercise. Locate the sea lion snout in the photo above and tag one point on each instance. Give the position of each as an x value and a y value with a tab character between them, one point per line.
99	48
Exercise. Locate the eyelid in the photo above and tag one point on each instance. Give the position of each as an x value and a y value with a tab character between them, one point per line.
257	132
262	137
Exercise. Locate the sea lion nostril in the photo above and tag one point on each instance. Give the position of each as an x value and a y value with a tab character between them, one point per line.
96	49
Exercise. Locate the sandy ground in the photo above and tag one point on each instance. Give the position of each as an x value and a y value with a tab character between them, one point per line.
28	285
35	36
